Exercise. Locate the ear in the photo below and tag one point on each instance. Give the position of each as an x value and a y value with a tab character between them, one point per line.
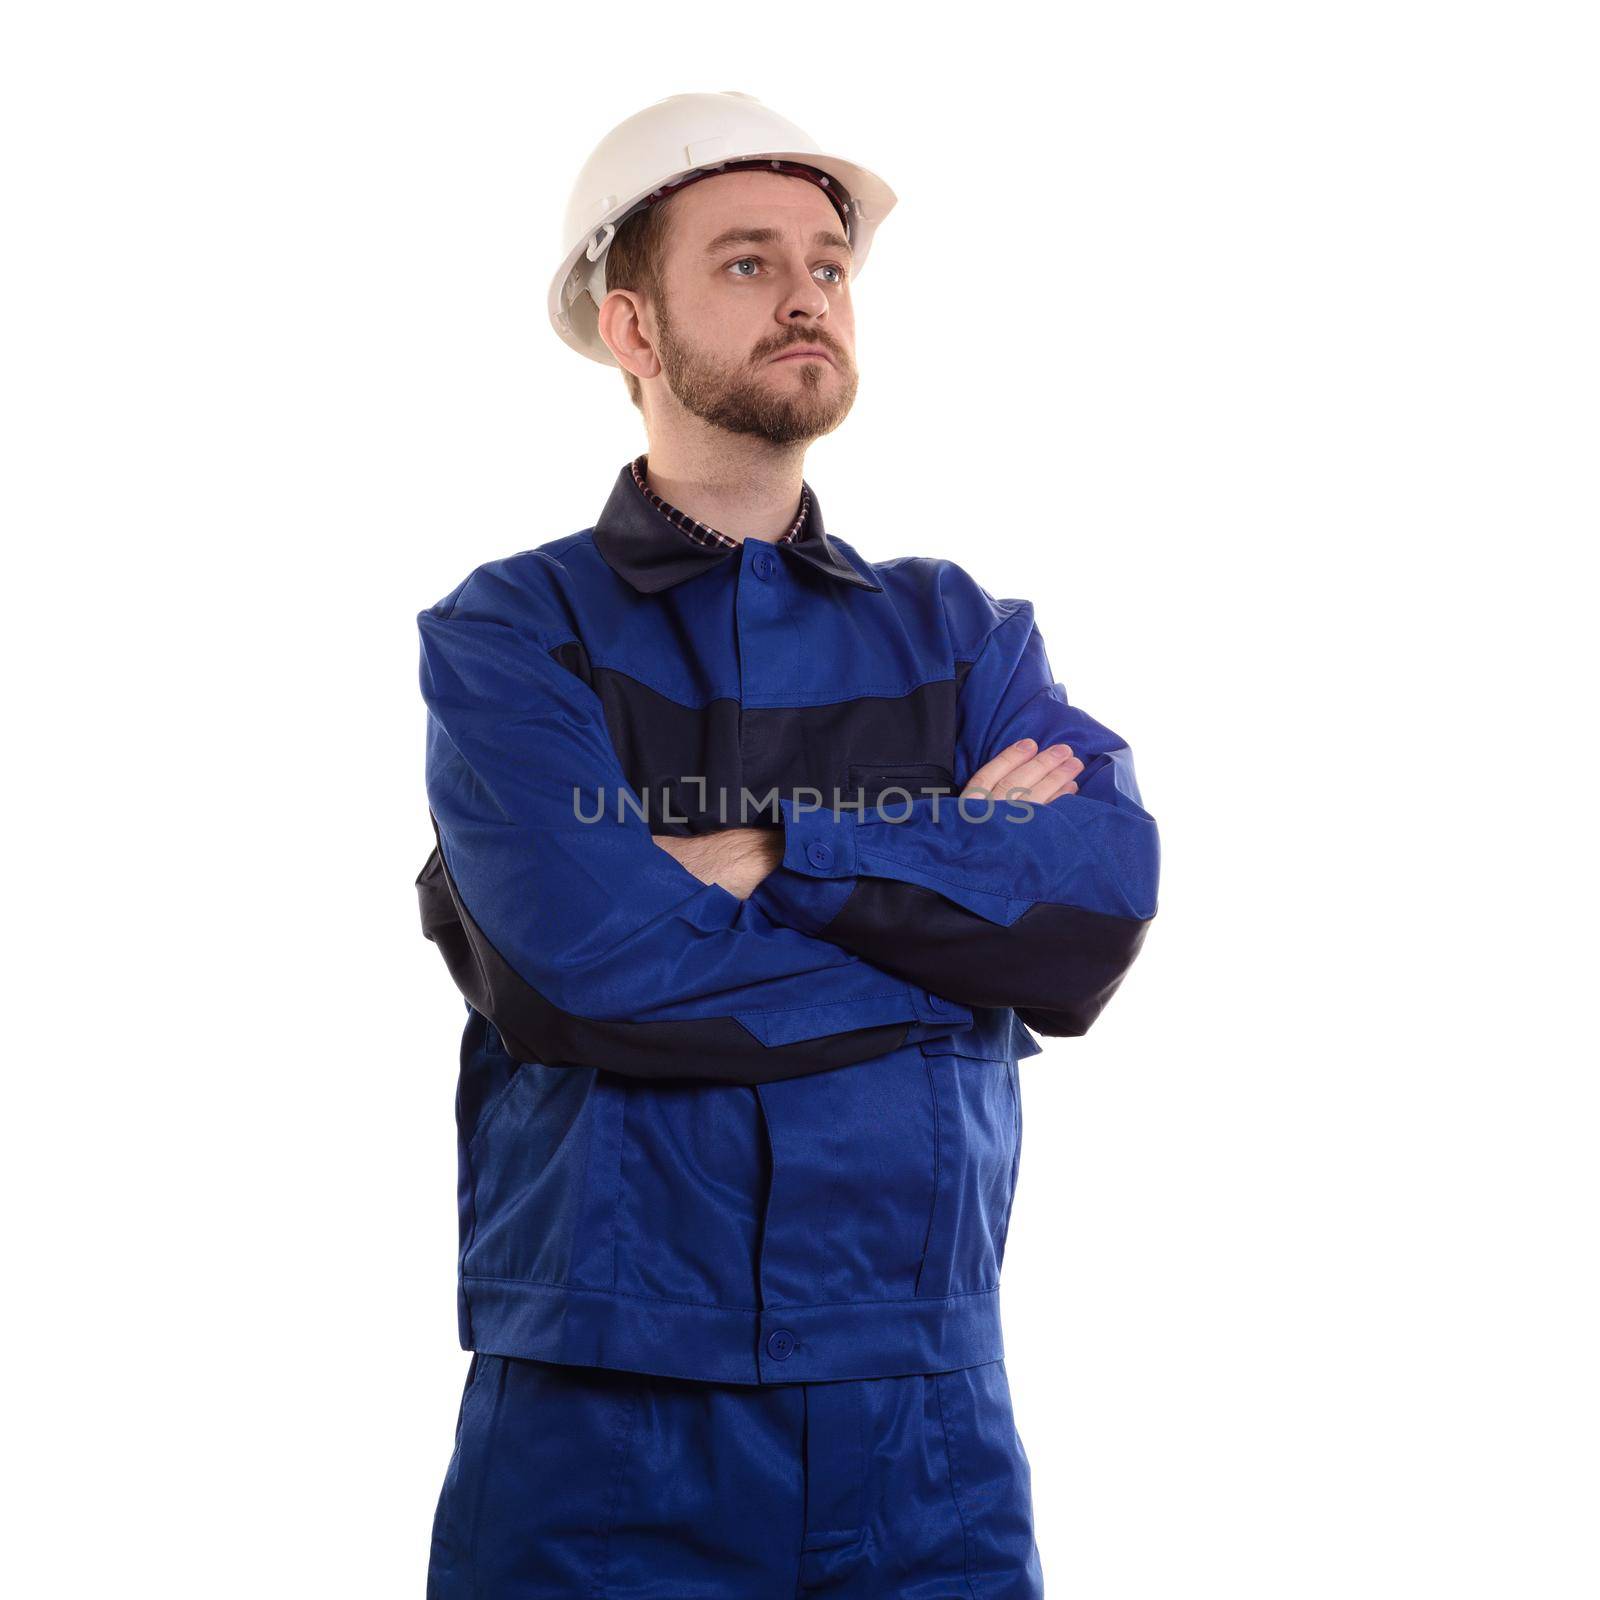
621	325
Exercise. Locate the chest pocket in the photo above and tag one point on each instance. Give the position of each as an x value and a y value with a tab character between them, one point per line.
872	778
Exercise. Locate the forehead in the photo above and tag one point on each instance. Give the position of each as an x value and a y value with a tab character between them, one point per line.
750	199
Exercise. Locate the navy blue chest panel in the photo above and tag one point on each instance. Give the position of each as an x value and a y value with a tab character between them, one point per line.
688	763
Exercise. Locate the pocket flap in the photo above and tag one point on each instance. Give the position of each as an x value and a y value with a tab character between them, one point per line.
996	1034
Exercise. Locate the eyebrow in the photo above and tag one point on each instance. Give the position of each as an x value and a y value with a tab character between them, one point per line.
730	236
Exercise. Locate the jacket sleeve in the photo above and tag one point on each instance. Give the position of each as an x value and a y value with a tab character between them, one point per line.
561	919
1042	908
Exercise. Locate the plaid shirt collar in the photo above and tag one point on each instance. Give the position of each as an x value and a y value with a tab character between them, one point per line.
701	532
654	545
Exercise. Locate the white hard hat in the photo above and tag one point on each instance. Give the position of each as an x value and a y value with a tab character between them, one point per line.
683	137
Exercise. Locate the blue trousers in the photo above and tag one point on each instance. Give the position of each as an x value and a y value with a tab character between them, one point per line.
583	1481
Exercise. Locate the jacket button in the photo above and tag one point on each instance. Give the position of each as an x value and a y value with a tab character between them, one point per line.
763	564
780	1344
936	1004
819	855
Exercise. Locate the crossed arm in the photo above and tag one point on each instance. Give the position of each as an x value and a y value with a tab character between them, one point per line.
740	858
594	944
584	943
993	904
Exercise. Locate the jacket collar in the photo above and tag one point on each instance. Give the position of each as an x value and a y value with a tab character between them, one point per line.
641	545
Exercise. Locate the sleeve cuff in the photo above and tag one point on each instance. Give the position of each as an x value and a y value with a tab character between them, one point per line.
817	872
819	843
796	901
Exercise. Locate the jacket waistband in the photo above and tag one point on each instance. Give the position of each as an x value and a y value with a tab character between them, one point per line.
723	1344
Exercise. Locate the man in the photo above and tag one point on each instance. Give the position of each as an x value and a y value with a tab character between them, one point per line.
746	985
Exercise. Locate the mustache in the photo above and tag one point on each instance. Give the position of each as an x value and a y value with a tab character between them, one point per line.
799	343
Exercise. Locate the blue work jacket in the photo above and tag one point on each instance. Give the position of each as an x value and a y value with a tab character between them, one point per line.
773	1139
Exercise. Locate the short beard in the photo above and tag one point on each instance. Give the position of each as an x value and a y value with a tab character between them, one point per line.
738	402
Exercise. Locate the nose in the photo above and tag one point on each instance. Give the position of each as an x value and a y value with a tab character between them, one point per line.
805	300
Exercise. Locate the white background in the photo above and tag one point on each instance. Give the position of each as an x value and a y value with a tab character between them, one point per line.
1257	344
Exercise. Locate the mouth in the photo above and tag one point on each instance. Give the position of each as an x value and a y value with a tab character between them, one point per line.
809	352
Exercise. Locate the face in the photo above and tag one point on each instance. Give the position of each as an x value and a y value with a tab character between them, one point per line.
756	269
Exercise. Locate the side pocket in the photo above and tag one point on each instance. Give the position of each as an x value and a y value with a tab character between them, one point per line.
536	1171
594	1245
496	1100
974	1107
1016	1155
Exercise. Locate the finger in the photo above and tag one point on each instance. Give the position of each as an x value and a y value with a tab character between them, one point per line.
1053	787
1061	780
1019	764
1029	773
1042	793
1058	759
992	774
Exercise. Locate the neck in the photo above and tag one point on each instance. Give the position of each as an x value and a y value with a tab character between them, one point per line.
744	487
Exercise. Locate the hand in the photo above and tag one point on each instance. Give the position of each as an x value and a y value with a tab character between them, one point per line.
1040	777
737	859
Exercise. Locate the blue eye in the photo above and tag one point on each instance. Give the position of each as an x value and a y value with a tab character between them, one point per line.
831	266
